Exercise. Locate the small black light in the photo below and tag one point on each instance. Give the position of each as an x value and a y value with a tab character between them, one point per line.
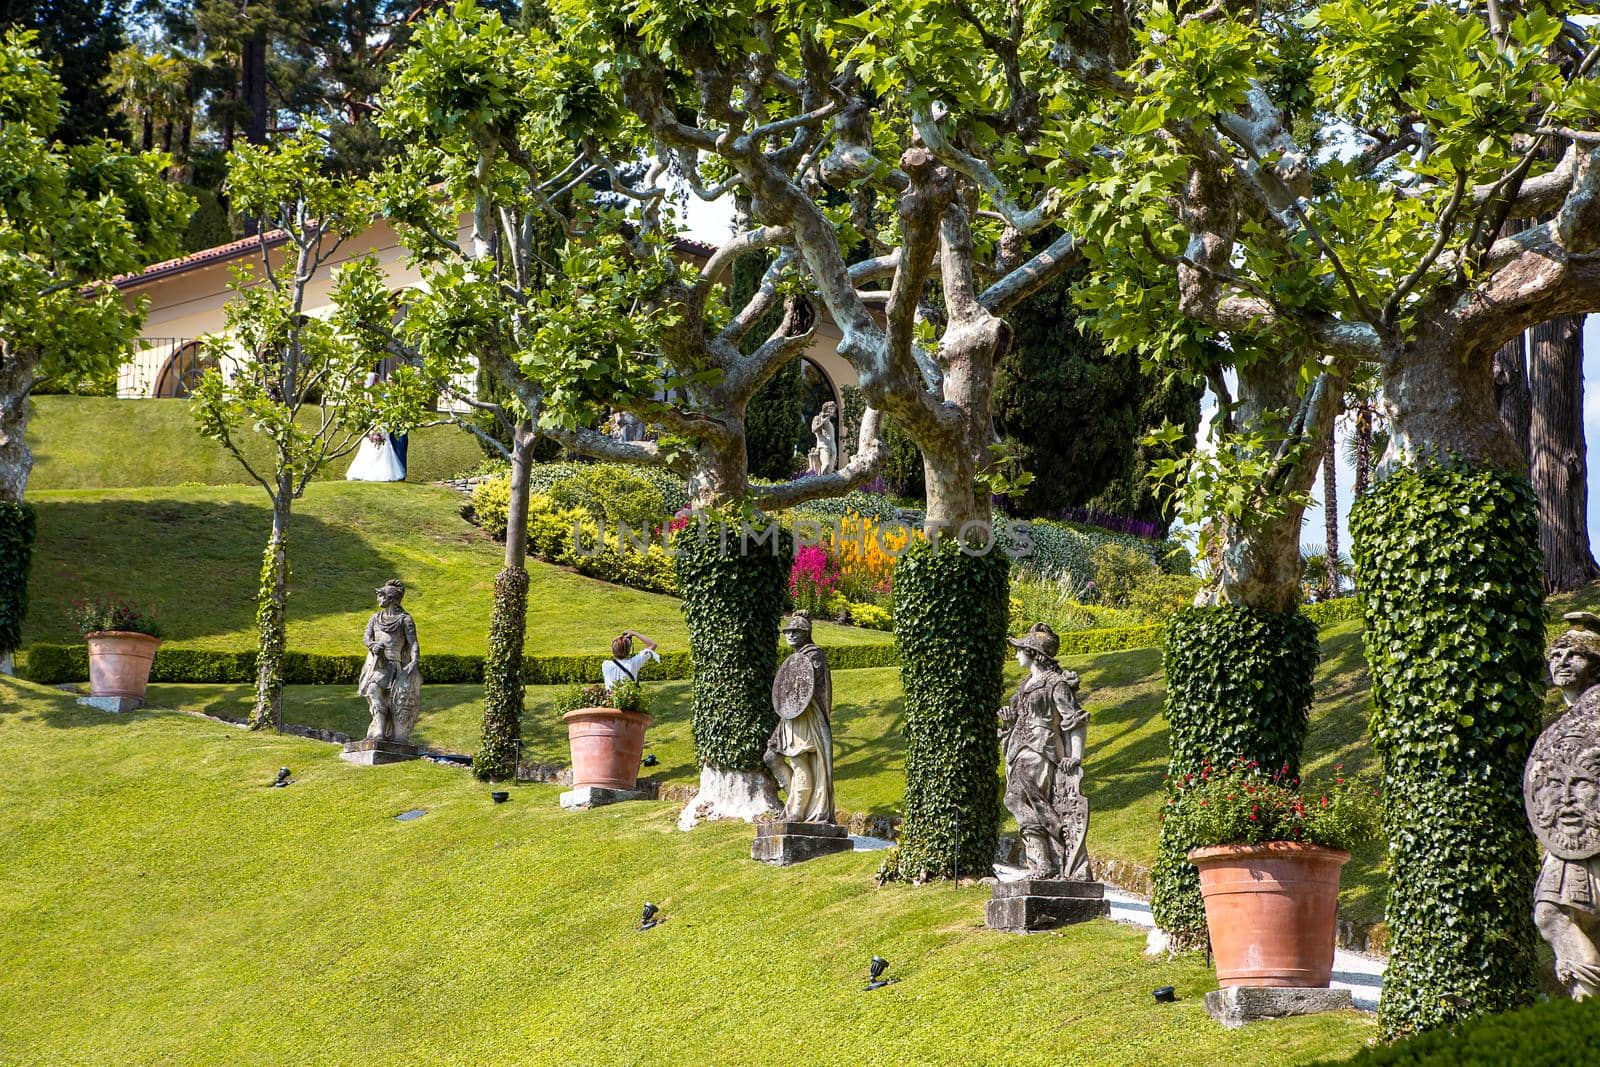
500	796
282	779
875	970
1165	995
649	761
649	918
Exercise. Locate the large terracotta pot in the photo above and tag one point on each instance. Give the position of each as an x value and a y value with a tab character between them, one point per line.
119	663
1271	909
606	746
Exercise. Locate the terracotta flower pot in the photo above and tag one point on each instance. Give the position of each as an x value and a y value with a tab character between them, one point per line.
606	746
1271	909
119	663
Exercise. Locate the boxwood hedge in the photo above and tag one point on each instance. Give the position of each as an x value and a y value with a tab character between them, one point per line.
16	552
1448	563
65	664
1557	1033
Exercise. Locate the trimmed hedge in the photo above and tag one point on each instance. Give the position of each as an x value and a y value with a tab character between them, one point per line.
65	664
17	528
1448	563
950	615
1557	1033
1328	612
733	598
1239	686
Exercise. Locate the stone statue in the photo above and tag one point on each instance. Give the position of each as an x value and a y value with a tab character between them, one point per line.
390	680
825	456
800	751
1043	731
1561	790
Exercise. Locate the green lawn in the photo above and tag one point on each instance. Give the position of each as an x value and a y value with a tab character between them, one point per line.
1127	739
193	554
163	905
95	442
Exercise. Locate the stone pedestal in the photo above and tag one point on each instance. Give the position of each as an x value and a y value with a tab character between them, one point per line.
783	841
1237	1005
598	796
372	751
1045	903
115	705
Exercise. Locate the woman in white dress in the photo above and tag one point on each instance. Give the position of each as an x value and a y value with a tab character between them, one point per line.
376	461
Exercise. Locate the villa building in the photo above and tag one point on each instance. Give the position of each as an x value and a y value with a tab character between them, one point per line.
187	297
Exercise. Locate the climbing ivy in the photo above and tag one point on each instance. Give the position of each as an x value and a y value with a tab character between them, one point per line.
1238	687
950	613
271	625
496	758
16	552
1448	563
734	592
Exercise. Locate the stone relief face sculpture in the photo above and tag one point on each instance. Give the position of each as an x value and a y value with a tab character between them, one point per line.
800	750
1043	732
824	458
390	680
1561	792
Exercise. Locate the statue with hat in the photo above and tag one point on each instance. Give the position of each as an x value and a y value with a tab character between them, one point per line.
390	680
1043	732
800	750
1561	792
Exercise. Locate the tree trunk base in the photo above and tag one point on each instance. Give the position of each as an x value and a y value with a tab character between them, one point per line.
726	794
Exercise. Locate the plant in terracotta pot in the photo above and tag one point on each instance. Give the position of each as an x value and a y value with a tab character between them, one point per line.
1269	854
122	642
606	732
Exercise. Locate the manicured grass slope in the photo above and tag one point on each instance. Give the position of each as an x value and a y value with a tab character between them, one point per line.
171	908
1127	739
95	442
194	553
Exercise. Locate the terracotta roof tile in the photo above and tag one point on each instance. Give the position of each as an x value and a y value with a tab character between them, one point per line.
205	257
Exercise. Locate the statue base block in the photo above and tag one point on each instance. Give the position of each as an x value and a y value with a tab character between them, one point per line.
584	797
783	841
1235	1006
1044	904
372	751
115	705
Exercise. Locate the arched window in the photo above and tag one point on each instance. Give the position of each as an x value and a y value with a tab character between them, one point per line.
182	370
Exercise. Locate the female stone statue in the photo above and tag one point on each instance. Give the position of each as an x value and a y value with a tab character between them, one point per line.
1561	789
390	680
1043	731
825	456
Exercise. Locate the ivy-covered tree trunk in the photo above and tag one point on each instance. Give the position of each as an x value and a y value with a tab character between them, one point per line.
496	758
1239	670
1449	571
1239	687
950	615
734	591
16	554
1447	551
271	612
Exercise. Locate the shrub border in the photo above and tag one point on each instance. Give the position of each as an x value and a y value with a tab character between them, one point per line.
51	664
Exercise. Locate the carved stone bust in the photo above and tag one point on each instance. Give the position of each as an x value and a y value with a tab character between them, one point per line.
1561	792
